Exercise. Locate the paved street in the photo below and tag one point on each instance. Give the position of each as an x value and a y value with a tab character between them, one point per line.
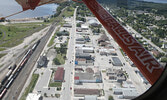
67	93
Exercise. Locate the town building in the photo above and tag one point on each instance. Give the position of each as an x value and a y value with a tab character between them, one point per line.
116	75
83	55
93	22
34	96
83	92
59	75
42	62
84	27
85	49
116	61
90	97
80	40
67	25
125	93
103	38
88	77
105	51
80	61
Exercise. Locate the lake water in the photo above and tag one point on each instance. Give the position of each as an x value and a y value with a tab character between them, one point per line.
8	7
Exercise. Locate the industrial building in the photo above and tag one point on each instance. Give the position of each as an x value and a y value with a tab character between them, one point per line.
93	22
59	75
103	38
116	75
90	97
105	51
85	49
83	92
80	40
83	55
67	25
34	96
84	27
80	61
88	77
116	61
125	93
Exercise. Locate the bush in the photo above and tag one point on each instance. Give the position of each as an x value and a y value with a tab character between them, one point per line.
45	94
78	25
56	61
110	98
164	59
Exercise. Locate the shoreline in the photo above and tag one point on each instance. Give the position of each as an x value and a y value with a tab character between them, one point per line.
41	11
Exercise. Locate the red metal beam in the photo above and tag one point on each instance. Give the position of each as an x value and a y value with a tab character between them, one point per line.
144	61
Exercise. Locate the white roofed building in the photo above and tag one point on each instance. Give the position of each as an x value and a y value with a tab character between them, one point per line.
34	96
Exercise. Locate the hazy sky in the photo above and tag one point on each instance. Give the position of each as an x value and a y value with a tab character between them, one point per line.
158	1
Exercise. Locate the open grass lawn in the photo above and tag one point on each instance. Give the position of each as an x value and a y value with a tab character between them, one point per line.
69	12
1	55
14	34
2	49
55	84
61	58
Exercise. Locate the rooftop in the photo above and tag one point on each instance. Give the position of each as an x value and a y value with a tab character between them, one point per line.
87	91
33	96
90	97
59	75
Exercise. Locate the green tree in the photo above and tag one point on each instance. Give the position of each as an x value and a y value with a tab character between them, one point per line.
110	98
45	94
56	61
78	25
164	59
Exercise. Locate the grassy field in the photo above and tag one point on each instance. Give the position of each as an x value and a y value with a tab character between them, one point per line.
2	49
14	34
1	55
55	84
30	87
61	58
1	66
69	12
51	42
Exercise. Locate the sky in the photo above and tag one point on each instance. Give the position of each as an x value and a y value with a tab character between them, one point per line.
157	1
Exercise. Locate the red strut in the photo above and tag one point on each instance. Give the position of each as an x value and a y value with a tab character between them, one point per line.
145	62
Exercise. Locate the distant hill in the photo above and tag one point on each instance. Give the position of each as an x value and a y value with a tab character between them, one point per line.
137	5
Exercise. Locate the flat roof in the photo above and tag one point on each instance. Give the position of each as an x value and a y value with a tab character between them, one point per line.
90	97
33	96
59	75
87	91
85	76
116	60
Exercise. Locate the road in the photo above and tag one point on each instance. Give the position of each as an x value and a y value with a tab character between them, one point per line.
19	82
67	93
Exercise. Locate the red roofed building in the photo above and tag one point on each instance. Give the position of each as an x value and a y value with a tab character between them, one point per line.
59	75
76	77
